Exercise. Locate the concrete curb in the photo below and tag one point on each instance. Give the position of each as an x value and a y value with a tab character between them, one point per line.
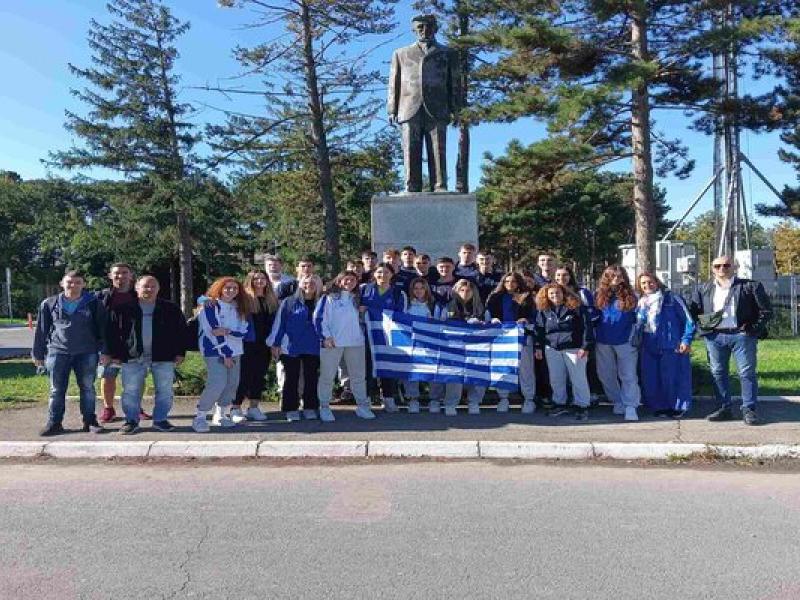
393	449
312	449
424	449
536	450
199	449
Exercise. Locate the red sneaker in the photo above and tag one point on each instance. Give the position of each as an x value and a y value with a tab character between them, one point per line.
144	415
108	414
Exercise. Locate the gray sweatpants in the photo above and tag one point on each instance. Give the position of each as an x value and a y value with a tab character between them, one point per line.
329	361
562	364
221	384
616	368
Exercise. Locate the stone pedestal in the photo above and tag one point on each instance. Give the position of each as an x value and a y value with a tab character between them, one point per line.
434	223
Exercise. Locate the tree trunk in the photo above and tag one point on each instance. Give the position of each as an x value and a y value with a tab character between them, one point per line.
320	141
176	174
643	205
462	162
185	262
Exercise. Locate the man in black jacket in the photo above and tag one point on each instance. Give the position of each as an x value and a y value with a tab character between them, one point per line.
732	314
143	336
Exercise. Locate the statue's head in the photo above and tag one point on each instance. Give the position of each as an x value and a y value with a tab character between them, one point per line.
425	27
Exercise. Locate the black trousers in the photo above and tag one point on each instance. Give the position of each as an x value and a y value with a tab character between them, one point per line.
543	389
386	387
290	398
253	377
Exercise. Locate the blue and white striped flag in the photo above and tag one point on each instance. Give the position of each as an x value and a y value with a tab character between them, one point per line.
416	348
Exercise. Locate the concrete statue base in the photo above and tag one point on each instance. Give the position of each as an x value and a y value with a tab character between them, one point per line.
434	223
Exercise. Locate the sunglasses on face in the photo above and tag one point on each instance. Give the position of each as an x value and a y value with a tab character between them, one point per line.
722	266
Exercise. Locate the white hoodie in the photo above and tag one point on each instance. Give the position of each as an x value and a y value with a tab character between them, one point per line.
336	316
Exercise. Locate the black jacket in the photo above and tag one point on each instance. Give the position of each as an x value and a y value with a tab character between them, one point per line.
753	307
564	328
522	310
124	332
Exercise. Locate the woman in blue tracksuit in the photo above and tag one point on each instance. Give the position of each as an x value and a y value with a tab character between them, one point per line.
665	349
295	343
376	297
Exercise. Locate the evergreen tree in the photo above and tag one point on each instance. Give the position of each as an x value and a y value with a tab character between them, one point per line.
581	216
135	122
324	93
596	71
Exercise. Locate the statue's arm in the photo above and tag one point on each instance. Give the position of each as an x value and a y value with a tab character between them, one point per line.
393	93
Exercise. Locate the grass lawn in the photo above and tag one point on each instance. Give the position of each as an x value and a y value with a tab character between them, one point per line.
778	372
6	321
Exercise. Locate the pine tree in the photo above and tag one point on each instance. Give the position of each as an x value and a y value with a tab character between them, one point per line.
136	123
325	93
597	70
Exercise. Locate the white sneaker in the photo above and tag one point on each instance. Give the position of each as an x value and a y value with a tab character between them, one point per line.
631	414
502	405
413	406
619	409
450	411
237	416
433	407
326	415
389	405
474	409
364	412
255	414
216	414
310	415
222	420
200	425
528	407
293	415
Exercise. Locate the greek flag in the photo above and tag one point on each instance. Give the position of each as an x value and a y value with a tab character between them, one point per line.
416	348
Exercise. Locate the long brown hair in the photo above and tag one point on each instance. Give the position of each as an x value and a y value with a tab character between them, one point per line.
625	296
269	294
335	287
428	294
215	293
523	291
571	300
651	276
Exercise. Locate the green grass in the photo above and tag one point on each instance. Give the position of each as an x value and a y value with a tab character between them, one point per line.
7	321
778	368
778	374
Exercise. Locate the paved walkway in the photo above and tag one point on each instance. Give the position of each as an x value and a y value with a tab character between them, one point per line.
781	427
15	341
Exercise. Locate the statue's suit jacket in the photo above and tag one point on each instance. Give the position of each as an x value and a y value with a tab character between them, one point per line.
424	80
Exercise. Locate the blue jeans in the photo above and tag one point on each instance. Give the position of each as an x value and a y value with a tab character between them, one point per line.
720	346
59	367
133	374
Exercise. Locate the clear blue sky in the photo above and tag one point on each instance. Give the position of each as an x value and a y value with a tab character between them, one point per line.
39	37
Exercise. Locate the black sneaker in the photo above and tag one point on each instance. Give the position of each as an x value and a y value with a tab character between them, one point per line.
750	417
163	425
52	429
582	414
559	411
721	414
129	428
92	426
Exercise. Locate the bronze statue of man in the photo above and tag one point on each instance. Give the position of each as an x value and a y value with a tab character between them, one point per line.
423	99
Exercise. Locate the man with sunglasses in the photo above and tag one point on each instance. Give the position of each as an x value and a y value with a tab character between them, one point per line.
732	314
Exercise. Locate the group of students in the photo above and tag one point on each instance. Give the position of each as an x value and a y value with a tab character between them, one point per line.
630	342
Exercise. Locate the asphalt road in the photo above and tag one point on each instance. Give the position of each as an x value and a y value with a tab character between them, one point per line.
396	530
